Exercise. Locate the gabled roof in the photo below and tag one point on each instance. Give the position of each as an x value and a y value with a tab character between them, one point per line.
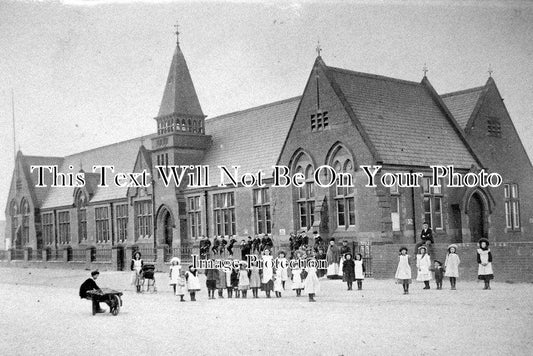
40	193
251	139
121	155
402	120
179	96
462	103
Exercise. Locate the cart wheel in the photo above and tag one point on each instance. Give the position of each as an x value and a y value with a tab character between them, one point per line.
116	309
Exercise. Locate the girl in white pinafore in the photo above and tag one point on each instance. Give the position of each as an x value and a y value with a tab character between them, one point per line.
484	258
451	265
311	283
359	270
176	280
267	283
423	264
136	267
403	272
193	283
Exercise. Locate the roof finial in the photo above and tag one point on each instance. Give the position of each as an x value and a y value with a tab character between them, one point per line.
425	69
81	165
318	48
177	33
490	71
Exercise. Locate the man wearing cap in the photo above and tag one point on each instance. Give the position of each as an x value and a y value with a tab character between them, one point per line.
88	285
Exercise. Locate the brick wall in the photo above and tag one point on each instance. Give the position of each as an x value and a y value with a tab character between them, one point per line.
512	261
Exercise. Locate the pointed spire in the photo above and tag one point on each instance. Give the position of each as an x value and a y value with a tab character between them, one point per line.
180	96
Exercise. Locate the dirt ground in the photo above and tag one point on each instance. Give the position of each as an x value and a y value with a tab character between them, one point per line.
43	315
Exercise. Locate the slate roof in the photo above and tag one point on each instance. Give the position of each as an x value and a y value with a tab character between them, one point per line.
179	96
40	193
252	138
462	103
122	155
403	122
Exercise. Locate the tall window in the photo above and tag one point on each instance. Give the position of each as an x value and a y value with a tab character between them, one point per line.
14	221
224	212
81	205
162	160
512	206
306	199
63	224
344	198
194	215
143	219
432	204
25	210
102	224
121	213
263	223
395	207
48	228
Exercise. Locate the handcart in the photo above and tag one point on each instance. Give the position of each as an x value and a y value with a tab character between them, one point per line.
105	295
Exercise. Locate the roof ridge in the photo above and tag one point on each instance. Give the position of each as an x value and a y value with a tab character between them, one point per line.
274	103
54	157
112	144
464	91
375	76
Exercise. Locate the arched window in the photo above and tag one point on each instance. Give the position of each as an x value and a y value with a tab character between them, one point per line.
13	211
306	198
81	205
189	127
343	192
25	210
183	125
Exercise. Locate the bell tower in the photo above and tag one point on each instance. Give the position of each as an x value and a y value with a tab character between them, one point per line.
180	140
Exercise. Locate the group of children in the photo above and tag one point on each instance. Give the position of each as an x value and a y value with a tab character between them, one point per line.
450	268
238	281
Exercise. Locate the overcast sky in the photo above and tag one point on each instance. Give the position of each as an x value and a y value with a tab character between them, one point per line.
85	76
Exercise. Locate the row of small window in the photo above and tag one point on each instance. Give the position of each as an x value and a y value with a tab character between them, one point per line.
102	219
224	214
173	124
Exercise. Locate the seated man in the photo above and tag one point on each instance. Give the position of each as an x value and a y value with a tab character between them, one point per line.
426	237
90	284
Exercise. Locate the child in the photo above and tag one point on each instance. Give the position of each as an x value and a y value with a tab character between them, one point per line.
267	283
221	283
403	272
439	273
321	256
211	276
255	280
359	270
278	282
284	269
244	279
235	282
174	272
180	290
451	265
423	264
348	270
230	245
193	283
311	284
297	283
136	266
484	259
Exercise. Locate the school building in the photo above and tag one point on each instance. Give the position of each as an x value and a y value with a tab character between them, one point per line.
343	119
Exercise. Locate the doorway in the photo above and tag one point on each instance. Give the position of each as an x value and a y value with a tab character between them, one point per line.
476	218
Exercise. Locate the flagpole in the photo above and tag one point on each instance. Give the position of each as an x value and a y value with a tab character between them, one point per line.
14	127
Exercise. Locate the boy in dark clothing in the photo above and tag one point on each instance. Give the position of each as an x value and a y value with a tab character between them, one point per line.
439	273
90	284
230	246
